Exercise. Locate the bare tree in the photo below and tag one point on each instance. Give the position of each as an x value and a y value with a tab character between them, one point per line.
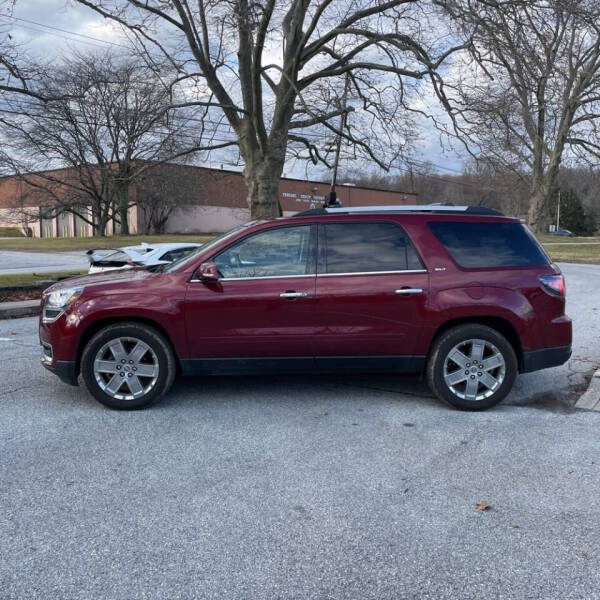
18	73
478	185
274	71
160	190
114	123
13	78
528	93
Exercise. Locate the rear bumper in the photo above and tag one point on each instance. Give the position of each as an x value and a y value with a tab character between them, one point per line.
545	358
65	370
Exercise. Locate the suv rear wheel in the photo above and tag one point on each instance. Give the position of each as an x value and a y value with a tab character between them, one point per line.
128	366
472	367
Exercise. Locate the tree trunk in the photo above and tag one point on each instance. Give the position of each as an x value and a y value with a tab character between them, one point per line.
99	230
122	193
100	219
263	189
96	224
538	216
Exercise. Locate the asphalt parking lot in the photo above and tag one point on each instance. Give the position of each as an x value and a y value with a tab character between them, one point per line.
41	262
353	487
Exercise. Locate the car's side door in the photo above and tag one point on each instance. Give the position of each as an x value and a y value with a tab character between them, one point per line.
263	303
371	293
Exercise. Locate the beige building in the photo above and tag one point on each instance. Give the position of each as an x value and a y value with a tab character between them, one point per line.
190	199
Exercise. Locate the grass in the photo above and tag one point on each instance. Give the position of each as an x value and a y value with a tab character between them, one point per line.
24	279
584	253
572	249
546	238
86	243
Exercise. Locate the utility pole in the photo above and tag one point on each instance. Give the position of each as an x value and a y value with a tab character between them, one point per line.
343	118
558	212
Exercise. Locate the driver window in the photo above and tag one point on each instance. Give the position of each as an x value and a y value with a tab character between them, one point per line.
276	252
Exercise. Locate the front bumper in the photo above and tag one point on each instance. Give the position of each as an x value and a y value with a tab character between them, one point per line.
65	370
545	358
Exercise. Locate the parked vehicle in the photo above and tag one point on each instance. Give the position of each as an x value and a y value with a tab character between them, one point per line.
562	232
462	294
142	255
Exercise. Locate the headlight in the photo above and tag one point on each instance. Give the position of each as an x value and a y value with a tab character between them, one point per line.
56	302
62	298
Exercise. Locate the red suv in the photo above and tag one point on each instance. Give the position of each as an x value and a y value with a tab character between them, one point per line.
463	294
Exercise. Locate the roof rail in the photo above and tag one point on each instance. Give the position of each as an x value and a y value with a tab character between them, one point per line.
311	212
434	208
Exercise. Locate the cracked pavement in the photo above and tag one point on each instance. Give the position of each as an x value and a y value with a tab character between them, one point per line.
291	487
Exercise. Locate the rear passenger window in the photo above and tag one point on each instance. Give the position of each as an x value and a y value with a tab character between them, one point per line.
367	247
479	245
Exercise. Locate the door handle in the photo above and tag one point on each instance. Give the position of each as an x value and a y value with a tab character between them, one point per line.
409	291
293	295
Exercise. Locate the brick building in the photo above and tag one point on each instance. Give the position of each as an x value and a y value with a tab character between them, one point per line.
204	200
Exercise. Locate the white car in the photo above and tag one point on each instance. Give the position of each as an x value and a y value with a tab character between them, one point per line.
143	255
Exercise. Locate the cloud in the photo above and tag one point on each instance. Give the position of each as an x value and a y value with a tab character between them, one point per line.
36	17
37	25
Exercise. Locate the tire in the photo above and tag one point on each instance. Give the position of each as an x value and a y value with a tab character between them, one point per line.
114	359
480	381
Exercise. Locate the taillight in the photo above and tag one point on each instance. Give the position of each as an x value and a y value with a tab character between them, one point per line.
553	285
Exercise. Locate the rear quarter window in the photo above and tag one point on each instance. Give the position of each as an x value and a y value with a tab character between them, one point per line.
480	245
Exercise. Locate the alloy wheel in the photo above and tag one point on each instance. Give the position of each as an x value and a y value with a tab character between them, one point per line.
126	368
474	369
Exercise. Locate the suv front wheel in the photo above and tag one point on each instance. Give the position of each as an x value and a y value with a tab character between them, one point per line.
128	366
471	367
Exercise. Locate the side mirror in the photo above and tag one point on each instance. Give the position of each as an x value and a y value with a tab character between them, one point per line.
208	271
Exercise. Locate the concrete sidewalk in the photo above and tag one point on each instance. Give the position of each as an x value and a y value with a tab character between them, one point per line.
591	399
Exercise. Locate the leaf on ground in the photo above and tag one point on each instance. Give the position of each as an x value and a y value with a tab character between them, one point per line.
482	506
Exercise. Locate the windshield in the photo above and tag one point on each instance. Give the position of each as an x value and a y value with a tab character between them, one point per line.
189	257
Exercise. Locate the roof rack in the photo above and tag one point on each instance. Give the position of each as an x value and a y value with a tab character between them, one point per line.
434	208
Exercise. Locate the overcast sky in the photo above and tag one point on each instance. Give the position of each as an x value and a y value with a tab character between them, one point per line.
33	23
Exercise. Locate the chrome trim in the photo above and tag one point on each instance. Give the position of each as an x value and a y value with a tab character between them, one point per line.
46	319
252	278
409	291
313	275
373	273
47	354
397	208
293	294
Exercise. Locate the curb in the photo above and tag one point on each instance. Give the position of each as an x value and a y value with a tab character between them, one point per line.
41	286
23	308
590	399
